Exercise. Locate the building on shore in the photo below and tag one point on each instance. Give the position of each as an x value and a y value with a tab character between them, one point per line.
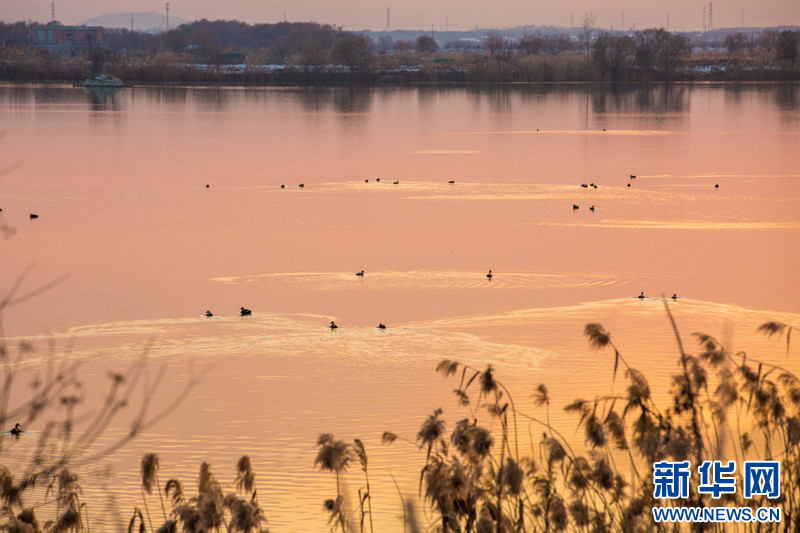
70	40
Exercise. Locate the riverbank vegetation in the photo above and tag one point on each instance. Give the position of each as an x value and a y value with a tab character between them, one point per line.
310	53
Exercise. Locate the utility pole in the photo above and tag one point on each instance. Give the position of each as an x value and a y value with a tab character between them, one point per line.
711	15
667	21
52	11
622	26
742	18
704	19
131	21
167	16
447	22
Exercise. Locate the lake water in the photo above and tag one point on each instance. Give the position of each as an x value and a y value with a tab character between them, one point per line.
119	183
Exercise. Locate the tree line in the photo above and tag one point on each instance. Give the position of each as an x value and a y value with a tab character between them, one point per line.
237	52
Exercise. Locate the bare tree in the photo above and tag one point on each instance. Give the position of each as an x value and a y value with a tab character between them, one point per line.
494	43
353	50
588	23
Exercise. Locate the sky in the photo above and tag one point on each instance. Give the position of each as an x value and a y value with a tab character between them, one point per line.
676	15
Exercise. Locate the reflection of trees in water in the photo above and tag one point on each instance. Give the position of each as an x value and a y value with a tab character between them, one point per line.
337	99
604	99
785	95
661	98
313	99
213	97
162	95
352	99
497	96
103	98
352	102
55	95
216	98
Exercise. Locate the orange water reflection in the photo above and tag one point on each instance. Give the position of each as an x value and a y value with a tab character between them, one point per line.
120	187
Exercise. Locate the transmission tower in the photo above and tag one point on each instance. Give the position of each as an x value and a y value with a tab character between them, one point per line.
704	19
167	16
388	20
711	15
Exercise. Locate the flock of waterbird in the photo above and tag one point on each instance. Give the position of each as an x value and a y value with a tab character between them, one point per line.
593	186
17	430
243	311
397	182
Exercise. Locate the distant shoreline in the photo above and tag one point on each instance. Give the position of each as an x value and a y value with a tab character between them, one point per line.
133	84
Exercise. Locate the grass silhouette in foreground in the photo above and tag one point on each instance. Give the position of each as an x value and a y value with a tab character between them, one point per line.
210	510
486	474
68	434
721	406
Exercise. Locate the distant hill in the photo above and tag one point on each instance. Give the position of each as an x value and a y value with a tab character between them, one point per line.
150	21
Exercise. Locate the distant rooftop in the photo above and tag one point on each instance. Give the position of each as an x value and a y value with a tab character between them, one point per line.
67	28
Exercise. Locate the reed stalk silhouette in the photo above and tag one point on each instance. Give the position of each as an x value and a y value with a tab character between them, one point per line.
211	509
720	406
335	456
68	434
